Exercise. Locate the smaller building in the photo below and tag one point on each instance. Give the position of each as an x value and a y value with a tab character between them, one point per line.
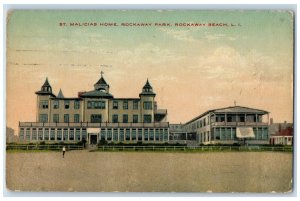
281	133
230	125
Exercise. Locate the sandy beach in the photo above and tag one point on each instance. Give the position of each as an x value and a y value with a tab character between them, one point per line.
84	171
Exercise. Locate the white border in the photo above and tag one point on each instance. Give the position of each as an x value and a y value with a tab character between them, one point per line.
154	4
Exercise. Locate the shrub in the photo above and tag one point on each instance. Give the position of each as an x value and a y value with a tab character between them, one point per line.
103	142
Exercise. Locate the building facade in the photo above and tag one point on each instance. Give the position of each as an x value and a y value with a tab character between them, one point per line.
281	133
96	115
230	125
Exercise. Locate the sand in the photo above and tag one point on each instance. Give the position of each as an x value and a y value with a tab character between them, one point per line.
84	171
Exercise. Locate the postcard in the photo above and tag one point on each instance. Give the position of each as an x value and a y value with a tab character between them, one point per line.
150	101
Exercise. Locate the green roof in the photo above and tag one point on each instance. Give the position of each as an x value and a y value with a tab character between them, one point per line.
96	94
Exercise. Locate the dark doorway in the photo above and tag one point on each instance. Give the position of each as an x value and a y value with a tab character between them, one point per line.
93	139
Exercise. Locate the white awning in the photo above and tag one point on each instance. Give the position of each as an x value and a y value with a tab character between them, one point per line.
244	132
93	130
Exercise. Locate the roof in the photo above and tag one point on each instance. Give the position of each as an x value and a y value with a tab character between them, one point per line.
127	99
60	94
148	93
46	83
96	94
71	98
101	81
233	109
289	131
238	109
147	89
147	85
45	93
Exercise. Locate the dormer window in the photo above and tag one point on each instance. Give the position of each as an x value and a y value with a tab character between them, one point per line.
102	90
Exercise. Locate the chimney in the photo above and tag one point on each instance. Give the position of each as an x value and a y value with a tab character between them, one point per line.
279	128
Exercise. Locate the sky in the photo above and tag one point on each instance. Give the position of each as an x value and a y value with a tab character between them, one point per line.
192	69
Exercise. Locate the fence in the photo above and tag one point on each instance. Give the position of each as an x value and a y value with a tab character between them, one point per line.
194	148
43	147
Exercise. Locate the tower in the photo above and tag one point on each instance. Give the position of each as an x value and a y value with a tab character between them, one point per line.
101	85
43	102
147	103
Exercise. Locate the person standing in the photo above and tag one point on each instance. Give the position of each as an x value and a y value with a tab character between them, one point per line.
64	151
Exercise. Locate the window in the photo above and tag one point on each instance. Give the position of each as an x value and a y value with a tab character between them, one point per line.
125	118
161	134
125	105
66	118
135	104
127	135
76	104
52	134
133	134
21	136
66	134
109	134
115	105
67	104
44	104
84	134
217	133
96	118
96	105
147	105
59	135
166	138
77	135
265	134
147	118
140	134
135	118
55	104
46	134
116	135
121	135
146	135
28	134
43	118
115	118
156	134
55	118
71	134
241	118
76	118
102	134
151	133
34	134
40	133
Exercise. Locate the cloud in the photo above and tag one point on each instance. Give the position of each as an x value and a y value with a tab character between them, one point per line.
226	63
146	53
182	35
211	37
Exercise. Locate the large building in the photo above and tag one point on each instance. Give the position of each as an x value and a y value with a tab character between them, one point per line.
230	125
96	115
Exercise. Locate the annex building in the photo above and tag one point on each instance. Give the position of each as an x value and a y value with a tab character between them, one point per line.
96	115
230	125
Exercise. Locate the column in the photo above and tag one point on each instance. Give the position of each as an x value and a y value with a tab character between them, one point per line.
130	137
55	134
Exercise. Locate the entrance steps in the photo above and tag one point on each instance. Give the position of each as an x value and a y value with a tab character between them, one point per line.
91	146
